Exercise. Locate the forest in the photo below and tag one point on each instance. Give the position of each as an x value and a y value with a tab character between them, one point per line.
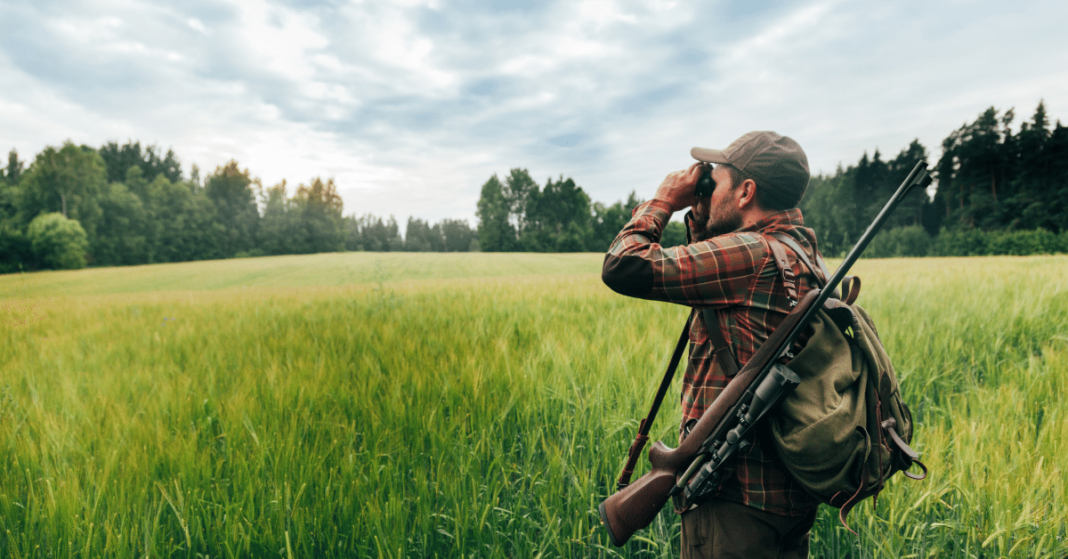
122	205
999	189
996	192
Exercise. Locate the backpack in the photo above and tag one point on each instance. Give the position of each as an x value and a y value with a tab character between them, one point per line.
844	431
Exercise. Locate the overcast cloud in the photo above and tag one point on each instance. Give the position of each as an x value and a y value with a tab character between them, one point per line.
412	105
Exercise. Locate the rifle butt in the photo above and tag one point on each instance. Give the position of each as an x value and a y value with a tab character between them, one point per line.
635	506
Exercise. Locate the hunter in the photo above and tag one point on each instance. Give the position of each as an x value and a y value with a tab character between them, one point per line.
727	275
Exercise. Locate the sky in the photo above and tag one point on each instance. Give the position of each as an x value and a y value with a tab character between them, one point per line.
411	105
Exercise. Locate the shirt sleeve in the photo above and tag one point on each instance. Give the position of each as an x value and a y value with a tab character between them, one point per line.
716	272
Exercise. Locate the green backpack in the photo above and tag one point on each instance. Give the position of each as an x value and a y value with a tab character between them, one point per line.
844	430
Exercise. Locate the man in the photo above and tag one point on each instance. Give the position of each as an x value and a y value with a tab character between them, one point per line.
728	275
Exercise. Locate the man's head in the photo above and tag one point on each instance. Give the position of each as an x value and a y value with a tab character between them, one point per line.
775	164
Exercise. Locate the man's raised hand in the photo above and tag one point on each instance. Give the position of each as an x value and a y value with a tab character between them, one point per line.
677	188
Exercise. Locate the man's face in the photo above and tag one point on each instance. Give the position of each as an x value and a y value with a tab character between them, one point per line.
723	215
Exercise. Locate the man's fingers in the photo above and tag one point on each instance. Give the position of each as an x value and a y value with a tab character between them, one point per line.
695	168
694	172
677	188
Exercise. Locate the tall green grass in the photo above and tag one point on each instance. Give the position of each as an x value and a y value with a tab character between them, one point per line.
479	416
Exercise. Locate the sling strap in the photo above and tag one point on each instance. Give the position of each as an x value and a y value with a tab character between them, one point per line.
642	438
721	350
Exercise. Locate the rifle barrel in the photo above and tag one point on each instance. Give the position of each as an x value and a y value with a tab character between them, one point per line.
917	177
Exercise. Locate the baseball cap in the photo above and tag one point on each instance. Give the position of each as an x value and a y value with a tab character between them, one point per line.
777	164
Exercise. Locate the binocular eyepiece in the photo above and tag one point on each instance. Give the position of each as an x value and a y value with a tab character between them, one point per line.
704	186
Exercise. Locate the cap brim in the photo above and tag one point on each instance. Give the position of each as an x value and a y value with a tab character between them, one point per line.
709	155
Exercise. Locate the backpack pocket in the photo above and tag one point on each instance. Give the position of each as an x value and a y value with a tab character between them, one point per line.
819	430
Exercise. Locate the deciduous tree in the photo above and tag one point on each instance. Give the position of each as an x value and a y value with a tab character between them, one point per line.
68	180
57	242
495	233
231	190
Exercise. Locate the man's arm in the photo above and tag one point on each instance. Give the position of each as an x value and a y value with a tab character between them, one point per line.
628	268
715	272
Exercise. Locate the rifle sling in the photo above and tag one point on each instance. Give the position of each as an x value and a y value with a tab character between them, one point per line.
721	350
643	428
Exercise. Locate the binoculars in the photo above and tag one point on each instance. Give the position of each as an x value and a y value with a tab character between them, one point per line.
704	186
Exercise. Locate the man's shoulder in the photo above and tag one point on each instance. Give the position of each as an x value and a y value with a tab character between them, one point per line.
739	240
756	245
803	236
739	252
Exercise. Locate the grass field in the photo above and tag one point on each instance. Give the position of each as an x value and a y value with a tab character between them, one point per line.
471	405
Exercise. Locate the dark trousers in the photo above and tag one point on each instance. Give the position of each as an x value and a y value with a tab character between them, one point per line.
721	530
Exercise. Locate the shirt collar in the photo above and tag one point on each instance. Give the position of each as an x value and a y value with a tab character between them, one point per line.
777	221
788	221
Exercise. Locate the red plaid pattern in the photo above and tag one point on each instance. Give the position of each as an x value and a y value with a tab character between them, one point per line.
736	274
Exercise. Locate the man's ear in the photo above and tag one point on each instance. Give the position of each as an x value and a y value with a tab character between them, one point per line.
747	196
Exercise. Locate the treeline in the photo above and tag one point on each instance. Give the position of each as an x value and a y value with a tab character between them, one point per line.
517	215
124	204
999	191
370	233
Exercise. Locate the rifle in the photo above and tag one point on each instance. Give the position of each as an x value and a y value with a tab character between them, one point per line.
724	427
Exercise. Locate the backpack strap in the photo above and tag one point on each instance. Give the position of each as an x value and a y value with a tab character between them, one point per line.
913	457
721	351
851	288
850	284
789	279
820	272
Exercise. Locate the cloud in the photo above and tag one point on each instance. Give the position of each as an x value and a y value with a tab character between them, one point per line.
412	105
196	25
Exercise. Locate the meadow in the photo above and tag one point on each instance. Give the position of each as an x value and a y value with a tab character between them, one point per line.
472	405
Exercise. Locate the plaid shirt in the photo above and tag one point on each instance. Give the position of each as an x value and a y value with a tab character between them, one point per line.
737	275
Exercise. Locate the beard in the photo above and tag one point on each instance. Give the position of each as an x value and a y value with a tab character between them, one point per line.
722	220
